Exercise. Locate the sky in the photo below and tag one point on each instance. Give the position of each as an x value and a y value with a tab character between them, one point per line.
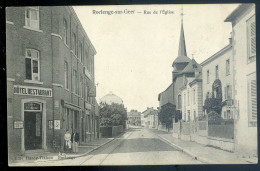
135	50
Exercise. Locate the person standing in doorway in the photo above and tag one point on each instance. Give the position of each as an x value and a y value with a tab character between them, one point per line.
75	141
67	138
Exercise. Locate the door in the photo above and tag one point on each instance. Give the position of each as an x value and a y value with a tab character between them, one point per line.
33	130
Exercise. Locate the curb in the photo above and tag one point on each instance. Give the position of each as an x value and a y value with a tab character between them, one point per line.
194	156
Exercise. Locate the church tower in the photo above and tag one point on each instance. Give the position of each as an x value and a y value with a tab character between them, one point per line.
182	60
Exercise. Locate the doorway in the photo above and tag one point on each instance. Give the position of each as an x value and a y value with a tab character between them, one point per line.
33	130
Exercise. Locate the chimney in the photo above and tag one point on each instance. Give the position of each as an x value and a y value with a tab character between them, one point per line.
230	39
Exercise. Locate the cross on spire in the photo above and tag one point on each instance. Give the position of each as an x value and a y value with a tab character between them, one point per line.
182	14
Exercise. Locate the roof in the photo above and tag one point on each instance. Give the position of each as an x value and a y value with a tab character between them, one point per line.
149	111
238	12
192	67
216	55
111	98
182	54
165	91
198	78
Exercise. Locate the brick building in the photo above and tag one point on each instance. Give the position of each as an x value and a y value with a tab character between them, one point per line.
50	78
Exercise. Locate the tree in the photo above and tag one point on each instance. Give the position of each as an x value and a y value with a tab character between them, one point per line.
112	115
168	111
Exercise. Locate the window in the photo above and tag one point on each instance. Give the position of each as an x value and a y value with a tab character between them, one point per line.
75	82
74	43
188	98
81	86
216	72
86	92
66	75
251	37
252	100
65	28
227	67
228	92
32	17
207	76
184	101
179	102
80	52
194	94
32	65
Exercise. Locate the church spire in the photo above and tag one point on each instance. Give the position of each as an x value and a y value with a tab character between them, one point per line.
182	45
182	54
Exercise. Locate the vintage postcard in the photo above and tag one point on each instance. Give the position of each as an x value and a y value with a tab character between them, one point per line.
131	85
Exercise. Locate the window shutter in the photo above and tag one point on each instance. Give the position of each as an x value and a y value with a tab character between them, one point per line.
253	100
252	39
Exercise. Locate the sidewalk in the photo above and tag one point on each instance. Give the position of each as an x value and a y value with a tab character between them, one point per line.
209	155
83	149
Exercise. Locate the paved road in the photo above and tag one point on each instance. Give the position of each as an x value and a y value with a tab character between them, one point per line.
138	146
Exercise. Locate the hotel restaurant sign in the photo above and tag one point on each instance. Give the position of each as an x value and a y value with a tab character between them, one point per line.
32	91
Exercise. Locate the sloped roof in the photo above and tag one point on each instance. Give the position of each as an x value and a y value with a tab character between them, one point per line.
181	59
238	11
198	78
192	67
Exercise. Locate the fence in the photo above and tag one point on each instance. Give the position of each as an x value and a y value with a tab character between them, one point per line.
223	129
218	134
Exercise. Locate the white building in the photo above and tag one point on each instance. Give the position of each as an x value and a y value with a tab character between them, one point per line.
148	118
191	92
244	57
217	76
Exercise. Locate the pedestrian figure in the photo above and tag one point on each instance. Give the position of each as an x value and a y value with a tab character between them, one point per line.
75	141
67	138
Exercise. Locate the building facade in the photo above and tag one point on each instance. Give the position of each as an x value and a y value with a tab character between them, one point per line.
134	117
217	75
50	78
192	107
149	118
245	91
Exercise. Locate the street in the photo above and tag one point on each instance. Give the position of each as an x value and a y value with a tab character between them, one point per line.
137	146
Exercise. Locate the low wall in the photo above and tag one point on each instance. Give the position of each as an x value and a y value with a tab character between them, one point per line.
116	130
176	130
111	131
106	131
162	128
225	144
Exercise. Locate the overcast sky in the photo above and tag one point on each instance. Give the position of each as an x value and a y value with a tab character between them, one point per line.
135	51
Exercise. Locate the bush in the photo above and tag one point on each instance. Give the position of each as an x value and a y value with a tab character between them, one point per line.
213	104
214	116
